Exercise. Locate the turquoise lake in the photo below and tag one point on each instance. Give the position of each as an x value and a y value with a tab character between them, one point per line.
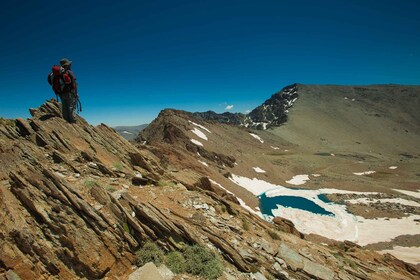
267	204
324	198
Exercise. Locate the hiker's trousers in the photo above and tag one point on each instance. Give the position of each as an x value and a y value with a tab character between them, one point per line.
68	106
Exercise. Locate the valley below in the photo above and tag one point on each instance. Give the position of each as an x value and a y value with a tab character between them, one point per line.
349	156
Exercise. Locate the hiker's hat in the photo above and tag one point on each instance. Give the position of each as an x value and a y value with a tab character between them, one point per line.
65	62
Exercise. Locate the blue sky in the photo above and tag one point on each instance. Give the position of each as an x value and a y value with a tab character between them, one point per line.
135	58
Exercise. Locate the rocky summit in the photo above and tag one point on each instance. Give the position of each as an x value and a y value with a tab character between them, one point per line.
79	201
272	113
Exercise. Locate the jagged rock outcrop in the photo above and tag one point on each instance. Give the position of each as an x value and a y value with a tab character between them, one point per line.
226	117
272	113
69	209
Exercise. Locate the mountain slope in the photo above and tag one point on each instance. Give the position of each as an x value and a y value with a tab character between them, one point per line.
74	205
355	144
365	128
385	119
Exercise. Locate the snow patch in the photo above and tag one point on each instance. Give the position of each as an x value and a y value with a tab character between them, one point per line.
407	254
410	193
258	170
241	202
264	124
385	229
298	180
257	137
316	175
364	173
342	226
255	186
126	132
393	167
275	148
366	200
203	163
197	142
199	133
200	126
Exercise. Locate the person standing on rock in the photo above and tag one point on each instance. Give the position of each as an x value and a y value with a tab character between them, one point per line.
63	81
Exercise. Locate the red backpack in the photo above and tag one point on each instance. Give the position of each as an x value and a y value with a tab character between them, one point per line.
59	80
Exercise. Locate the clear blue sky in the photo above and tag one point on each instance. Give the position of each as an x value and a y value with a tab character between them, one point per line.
134	58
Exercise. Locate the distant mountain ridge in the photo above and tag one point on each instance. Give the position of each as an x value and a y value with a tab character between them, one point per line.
130	132
273	112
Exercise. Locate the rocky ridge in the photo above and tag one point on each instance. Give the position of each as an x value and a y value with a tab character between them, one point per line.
78	201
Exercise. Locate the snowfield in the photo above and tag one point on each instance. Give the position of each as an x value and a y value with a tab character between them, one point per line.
410	193
342	226
384	229
298	180
408	254
365	200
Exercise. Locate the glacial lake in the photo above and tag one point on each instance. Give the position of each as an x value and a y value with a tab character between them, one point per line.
324	198
267	204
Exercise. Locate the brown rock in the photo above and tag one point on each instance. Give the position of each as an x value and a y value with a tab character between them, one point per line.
24	127
287	226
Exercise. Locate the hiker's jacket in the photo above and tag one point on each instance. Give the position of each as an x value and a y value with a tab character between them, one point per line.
73	81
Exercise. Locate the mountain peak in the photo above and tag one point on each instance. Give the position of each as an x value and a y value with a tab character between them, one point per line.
272	113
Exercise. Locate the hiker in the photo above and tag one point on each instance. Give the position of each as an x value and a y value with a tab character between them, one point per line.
63	82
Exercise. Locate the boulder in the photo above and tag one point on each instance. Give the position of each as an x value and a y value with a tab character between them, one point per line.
287	226
291	257
258	276
11	275
166	273
149	271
